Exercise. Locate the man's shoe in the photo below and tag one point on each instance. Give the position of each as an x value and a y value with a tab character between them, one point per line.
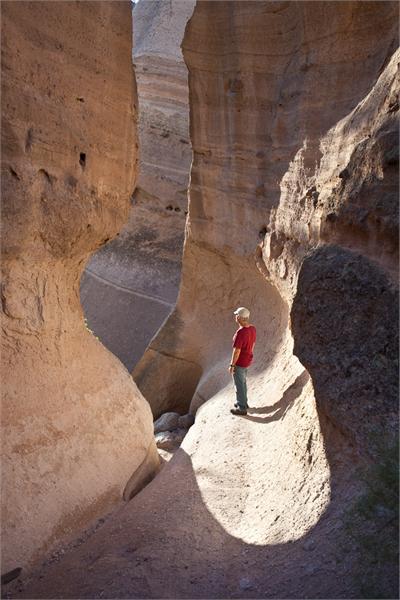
238	411
236	405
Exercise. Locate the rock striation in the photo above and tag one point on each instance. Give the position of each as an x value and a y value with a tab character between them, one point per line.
293	213
291	153
293	184
130	286
75	429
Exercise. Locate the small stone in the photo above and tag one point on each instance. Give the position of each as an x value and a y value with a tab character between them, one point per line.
170	440
382	511
311	569
167	422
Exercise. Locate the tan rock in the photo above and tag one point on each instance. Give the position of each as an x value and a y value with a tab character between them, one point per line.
257	504
74	426
275	120
130	286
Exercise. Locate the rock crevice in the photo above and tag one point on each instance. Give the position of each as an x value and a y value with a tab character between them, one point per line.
130	286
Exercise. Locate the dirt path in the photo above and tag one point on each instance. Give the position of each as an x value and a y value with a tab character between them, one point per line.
247	508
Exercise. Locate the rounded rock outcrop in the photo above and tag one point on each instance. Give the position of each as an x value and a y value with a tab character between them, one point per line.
74	425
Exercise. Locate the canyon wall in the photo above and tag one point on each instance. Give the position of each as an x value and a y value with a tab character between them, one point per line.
76	433
292	212
130	286
294	160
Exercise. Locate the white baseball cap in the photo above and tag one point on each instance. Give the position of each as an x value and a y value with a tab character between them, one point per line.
242	312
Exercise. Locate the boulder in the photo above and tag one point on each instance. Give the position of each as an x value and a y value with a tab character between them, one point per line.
170	440
167	422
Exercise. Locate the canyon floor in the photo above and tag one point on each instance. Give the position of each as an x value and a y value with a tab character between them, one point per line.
248	507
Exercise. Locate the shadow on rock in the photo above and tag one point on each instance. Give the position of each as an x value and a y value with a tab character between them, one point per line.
168	543
280	408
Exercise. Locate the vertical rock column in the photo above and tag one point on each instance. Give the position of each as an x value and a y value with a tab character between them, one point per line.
74	426
130	286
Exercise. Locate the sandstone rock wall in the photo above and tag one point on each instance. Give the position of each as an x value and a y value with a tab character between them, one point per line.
74	426
337	228
130	286
292	111
281	96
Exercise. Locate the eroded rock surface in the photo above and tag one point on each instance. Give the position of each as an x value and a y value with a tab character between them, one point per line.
74	426
256	506
292	149
130	286
294	126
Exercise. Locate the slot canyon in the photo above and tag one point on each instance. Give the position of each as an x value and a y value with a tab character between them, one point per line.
164	163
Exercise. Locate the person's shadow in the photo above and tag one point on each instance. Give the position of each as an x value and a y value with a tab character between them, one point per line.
280	408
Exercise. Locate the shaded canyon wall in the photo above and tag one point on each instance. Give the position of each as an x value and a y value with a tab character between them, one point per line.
75	429
130	286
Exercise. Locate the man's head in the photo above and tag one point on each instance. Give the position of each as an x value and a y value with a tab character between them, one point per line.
242	315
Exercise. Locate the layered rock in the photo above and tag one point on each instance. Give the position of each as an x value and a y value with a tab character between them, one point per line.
294	121
337	227
274	121
76	433
292	212
256	506
131	285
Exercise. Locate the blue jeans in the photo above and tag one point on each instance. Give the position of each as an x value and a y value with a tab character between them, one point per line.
239	377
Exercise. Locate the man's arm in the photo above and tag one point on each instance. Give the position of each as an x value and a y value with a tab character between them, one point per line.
235	356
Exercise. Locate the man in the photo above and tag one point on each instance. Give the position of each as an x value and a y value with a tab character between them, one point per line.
242	356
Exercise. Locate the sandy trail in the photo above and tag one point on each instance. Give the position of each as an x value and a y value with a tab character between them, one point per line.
248	507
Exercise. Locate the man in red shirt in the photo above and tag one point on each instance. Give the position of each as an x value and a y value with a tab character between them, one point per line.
242	356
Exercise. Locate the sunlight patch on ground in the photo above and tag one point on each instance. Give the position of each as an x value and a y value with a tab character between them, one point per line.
264	477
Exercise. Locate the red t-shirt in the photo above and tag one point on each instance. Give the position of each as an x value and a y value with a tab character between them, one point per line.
245	338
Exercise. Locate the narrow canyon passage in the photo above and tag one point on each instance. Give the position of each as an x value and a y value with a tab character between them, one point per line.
246	508
292	212
129	287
